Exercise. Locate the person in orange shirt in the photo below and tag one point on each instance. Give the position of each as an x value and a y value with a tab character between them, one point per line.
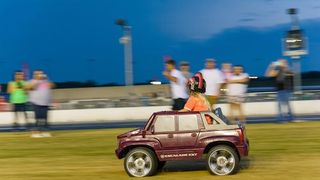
197	101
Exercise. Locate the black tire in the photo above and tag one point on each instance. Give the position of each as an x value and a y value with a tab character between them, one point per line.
140	162
161	164
222	160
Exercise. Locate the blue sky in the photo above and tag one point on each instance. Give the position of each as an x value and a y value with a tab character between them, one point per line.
77	40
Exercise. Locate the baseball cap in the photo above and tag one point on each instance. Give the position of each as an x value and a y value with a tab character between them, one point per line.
210	60
184	63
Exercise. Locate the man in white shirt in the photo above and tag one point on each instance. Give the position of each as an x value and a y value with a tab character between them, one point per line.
214	79
185	69
177	84
237	88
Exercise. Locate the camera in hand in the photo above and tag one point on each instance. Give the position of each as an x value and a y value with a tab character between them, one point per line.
276	64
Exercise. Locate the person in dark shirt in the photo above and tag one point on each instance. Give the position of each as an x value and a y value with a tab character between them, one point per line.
284	86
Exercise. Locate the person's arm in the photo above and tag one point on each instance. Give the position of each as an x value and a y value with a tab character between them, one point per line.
52	85
189	105
169	76
244	80
30	85
240	81
225	83
25	86
10	88
184	110
221	81
271	71
289	73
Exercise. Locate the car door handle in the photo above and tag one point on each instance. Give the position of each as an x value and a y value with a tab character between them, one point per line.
170	135
193	134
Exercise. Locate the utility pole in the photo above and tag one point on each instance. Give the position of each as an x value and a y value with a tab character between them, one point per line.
126	40
295	45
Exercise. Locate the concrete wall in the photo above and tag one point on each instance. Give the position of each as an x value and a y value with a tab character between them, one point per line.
143	113
109	92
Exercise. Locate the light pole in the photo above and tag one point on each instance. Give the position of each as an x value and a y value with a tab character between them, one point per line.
126	40
295	45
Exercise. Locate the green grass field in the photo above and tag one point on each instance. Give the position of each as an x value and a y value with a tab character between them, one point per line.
278	151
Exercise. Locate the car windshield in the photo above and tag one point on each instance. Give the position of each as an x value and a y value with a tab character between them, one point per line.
148	122
218	112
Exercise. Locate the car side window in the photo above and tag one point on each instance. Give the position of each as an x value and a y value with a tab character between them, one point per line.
164	124
210	120
188	122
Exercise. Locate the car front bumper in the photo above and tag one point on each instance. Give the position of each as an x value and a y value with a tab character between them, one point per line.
117	151
244	149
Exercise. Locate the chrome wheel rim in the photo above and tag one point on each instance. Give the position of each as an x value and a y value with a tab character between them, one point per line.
221	162
139	164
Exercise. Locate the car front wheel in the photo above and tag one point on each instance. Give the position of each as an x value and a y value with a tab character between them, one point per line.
140	162
222	160
161	164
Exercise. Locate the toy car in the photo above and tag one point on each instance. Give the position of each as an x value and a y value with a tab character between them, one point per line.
169	136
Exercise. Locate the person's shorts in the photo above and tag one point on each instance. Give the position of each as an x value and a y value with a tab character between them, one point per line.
236	99
21	107
178	104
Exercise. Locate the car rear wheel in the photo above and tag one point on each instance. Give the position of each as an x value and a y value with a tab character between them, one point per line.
222	160
140	162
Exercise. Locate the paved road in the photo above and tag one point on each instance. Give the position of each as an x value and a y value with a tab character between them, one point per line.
137	124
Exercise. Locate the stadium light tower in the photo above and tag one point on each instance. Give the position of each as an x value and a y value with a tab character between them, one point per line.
126	40
294	46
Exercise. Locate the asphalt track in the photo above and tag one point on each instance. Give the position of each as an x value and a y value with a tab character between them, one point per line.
140	123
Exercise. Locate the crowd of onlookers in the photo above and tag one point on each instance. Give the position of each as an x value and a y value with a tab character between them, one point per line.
232	79
33	94
229	77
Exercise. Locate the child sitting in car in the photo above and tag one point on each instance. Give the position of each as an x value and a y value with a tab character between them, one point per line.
197	101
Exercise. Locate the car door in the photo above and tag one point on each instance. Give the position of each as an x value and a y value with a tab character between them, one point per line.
188	131
164	128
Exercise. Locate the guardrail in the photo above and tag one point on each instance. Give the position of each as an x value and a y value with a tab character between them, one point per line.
142	101
127	114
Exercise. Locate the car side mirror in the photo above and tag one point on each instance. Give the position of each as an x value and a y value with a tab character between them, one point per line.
144	132
152	129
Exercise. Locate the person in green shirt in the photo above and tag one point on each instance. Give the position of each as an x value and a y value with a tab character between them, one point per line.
18	97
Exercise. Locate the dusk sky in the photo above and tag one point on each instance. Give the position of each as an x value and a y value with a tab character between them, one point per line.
77	40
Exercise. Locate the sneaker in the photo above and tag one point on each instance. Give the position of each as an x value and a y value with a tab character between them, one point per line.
36	135
298	120
45	134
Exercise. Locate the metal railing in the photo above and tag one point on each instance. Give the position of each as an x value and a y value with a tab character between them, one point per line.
157	99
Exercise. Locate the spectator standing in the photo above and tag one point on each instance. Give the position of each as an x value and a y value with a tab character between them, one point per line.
226	69
18	97
185	69
40	97
214	79
237	88
284	86
177	85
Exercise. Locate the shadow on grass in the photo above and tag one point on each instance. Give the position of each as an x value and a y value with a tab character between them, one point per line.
196	165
